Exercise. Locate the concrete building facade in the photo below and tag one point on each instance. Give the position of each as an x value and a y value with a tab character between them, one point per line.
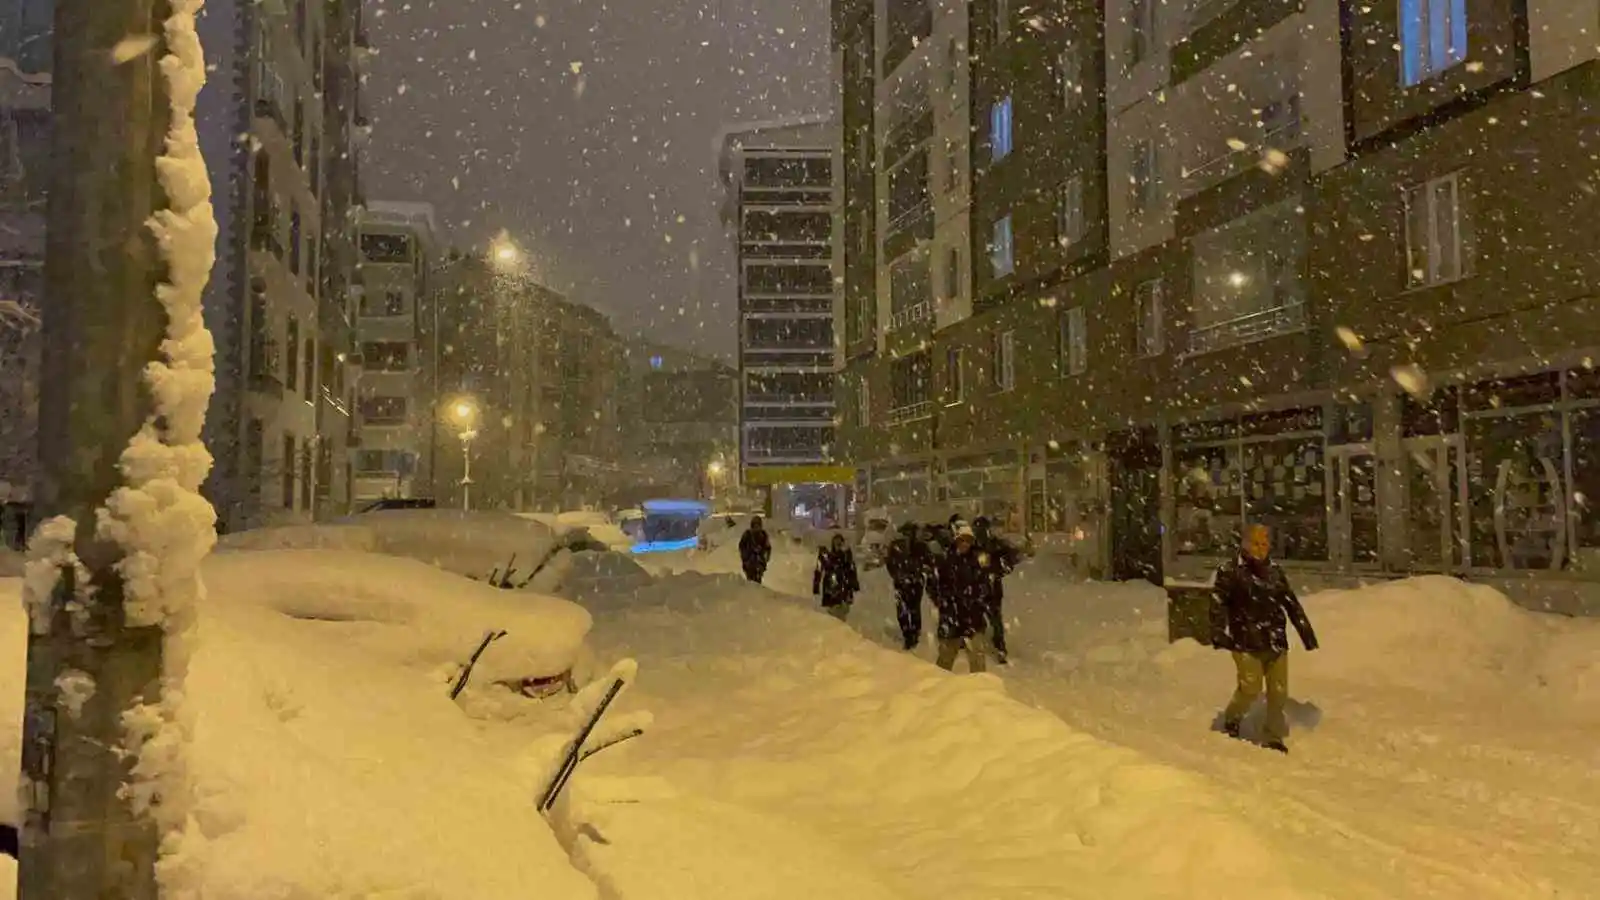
778	180
395	415
1315	278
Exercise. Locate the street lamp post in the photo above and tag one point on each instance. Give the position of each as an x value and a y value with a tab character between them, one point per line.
465	414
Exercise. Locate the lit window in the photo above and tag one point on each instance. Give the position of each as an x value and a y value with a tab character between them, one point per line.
1000	130
1003	361
1069	212
1142	176
1433	38
1074	347
1151	337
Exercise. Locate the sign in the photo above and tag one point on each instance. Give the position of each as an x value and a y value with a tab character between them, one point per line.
767	476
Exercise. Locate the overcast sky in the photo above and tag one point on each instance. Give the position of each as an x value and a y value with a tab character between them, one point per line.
586	130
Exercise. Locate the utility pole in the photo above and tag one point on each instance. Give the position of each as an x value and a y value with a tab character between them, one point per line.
102	325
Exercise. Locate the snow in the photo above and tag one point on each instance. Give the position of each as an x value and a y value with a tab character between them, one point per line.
326	757
473	544
8	878
1442	745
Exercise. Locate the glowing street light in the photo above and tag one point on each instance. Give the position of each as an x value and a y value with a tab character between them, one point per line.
465	413
504	254
716	468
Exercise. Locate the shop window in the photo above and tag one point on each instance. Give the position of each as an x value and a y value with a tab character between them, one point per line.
1209	505
1515	477
1285	490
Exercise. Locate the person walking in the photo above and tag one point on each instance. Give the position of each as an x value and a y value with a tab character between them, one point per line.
1252	604
835	579
960	601
908	562
755	550
998	559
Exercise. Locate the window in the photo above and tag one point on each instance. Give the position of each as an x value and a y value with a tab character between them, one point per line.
299	133
911	386
1433	232
255	453
1069	77
308	459
952	274
291	369
286	471
863	402
1142	175
383	410
952	166
953	58
1151	338
388	303
385	248
1069	212
910	287
1074	349
1000	130
1002	20
309	387
955	382
294	242
1141	31
1002	252
1433	38
1003	360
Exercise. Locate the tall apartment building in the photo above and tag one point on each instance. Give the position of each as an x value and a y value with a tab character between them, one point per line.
276	125
396	343
778	180
679	415
1262	262
25	61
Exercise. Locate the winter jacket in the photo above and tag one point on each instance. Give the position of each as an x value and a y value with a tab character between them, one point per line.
999	559
1251	605
908	562
755	549
835	579
961	598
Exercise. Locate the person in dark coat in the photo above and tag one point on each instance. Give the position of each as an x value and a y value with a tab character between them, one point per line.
960	600
999	559
755	550
835	579
1252	605
908	562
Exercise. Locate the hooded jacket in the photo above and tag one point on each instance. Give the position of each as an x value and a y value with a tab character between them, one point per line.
835	579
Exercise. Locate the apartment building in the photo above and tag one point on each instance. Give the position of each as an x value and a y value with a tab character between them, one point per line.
395	416
25	61
540	379
679	416
1313	265
778	181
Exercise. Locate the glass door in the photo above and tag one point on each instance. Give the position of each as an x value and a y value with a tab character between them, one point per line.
1353	498
1435	500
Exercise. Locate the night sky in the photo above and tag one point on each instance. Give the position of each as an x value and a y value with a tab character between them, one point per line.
586	130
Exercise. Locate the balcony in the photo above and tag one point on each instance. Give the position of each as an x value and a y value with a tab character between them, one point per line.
921	312
264	236
902	415
1269	152
1289	318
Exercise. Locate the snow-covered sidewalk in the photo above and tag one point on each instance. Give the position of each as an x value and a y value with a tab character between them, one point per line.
898	776
1443	738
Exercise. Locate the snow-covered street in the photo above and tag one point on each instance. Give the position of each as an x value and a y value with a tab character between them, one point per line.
1439	748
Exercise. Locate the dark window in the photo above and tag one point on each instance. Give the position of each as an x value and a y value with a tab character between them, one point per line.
383	410
386	356
310	384
291	367
287	471
787	227
385	248
294	242
788	171
803	280
910	381
808	333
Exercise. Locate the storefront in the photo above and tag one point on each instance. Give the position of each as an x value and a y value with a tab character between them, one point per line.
1066	508
987	484
1268	468
906	486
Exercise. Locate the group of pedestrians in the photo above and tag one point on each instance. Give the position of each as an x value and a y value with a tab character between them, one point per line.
962	569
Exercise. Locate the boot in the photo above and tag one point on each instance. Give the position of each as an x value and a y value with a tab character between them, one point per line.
1231	729
1279	746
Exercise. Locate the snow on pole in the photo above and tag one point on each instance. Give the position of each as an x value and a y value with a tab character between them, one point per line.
159	517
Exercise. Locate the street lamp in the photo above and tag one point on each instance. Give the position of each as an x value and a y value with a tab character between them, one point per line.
464	413
504	254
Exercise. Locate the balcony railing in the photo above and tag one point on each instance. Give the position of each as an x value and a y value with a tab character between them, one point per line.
920	312
901	415
912	217
1242	155
1247	329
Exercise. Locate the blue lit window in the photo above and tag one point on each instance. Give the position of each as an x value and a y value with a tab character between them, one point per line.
1000	130
1002	249
655	362
1433	38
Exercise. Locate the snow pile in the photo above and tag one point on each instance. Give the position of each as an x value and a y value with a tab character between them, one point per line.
939	785
327	759
473	544
8	878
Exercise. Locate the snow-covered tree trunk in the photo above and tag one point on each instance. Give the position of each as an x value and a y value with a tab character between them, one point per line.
113	575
